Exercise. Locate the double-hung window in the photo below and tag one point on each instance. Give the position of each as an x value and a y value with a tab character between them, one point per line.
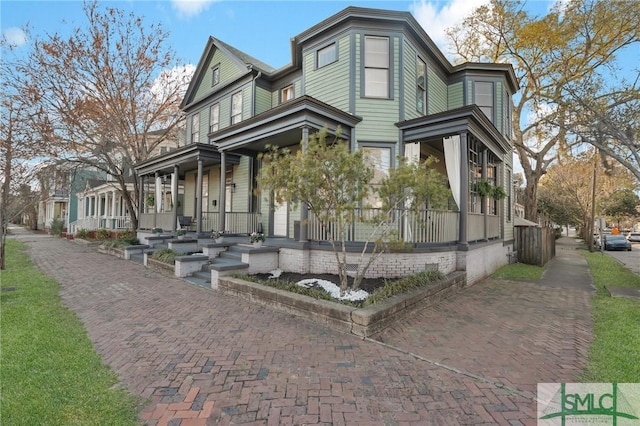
214	118
215	76
195	128
286	94
379	159
236	108
421	86
326	55
483	94
376	67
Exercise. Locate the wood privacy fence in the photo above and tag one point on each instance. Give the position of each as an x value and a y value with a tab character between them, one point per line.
535	246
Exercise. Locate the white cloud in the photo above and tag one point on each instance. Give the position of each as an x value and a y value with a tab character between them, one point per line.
15	37
189	8
437	16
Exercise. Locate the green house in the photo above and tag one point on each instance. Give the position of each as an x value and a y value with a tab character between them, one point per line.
377	76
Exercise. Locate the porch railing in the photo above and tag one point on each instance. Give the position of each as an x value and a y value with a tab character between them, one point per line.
235	222
93	223
475	226
427	226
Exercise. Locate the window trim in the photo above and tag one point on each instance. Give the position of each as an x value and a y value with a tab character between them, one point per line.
195	134
365	67
493	98
215	69
334	45
239	114
423	87
380	145
217	117
283	90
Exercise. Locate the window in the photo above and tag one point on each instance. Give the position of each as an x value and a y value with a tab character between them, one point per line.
421	86
483	95
286	94
214	118
195	128
236	108
506	115
509	194
215	76
326	55
380	160
163	150
376	67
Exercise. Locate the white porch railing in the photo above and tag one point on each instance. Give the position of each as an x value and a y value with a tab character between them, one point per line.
94	223
428	226
475	226
235	222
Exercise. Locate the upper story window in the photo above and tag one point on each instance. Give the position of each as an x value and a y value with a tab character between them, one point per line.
215	76
506	115
483	95
214	118
195	128
286	93
421	86
327	55
376	67
236	108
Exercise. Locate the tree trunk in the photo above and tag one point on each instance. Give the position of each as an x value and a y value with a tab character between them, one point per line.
531	200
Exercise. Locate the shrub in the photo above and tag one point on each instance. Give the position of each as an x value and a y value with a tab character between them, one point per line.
103	234
82	233
126	235
403	285
165	256
56	227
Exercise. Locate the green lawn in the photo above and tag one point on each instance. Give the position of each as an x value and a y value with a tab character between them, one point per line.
519	271
615	350
50	373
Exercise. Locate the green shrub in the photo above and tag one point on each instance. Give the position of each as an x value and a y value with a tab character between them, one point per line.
103	234
316	293
82	233
56	227
165	256
403	285
126	235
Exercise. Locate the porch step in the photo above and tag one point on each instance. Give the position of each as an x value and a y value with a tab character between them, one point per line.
137	258
199	281
161	245
226	264
203	275
231	254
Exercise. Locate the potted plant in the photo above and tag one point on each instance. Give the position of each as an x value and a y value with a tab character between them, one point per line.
150	200
217	236
181	233
257	239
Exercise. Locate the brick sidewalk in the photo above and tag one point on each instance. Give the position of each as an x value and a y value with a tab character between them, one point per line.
201	357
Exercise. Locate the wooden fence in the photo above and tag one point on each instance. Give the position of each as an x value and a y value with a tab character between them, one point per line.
535	246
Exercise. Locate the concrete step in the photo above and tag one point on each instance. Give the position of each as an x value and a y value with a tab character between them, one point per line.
233	255
198	281
137	258
203	275
226	264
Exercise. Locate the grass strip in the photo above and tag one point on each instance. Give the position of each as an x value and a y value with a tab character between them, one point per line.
50	373
615	350
519	271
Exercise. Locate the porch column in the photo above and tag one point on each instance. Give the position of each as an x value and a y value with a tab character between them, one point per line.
155	198
199	197
174	196
304	209
222	202
464	191
140	198
485	199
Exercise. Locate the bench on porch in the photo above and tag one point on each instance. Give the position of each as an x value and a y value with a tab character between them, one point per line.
185	222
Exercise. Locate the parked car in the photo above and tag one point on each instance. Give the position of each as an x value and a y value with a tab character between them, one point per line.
634	237
616	242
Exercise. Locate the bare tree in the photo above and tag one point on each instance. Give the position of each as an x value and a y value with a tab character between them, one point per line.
548	53
120	83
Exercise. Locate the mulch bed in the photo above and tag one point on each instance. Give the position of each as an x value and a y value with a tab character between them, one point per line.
367	284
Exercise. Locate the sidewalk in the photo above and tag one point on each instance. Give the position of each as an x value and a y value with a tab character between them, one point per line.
202	357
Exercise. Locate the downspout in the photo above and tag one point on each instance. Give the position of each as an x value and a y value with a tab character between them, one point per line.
253	91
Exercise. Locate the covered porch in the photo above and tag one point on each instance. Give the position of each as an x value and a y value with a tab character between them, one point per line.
101	206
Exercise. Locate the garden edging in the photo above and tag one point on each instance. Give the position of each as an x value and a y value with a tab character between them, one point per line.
362	322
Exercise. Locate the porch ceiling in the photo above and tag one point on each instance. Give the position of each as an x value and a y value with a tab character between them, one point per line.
465	119
186	158
281	126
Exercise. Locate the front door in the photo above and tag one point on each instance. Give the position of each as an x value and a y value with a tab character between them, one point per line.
280	220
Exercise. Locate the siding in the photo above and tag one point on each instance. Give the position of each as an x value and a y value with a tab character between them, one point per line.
410	76
263	100
497	96
455	94
469	92
436	92
330	83
228	71
240	198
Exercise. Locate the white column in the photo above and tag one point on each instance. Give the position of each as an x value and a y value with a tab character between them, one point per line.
113	203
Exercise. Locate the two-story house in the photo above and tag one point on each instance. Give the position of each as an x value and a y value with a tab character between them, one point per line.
377	76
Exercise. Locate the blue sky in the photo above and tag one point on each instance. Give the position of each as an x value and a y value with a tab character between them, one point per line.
262	29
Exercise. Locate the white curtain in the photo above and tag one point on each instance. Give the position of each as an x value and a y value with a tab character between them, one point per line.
158	200
452	162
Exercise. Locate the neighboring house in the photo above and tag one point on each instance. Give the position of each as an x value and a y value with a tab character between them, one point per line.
377	76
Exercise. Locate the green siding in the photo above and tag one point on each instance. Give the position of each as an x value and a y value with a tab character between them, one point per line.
497	94
409	68
469	92
436	92
330	83
228	71
240	201
263	100
455	94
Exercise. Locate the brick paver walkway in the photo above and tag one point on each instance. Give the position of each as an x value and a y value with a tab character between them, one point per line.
204	358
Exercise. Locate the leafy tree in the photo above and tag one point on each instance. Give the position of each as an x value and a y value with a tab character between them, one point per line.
561	49
119	98
334	182
620	204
